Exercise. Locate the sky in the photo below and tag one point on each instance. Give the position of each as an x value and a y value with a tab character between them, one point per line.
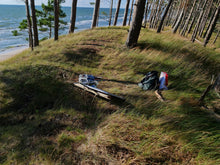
81	3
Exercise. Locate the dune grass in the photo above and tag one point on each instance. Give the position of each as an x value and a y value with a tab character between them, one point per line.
44	119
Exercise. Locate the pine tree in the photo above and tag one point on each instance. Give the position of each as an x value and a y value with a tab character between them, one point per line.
46	16
126	13
34	23
95	13
73	16
110	13
56	19
135	28
29	25
117	12
164	16
212	26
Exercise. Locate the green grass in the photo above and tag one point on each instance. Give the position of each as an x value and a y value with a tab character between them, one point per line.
45	120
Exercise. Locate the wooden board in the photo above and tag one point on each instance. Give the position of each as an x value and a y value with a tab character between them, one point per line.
99	92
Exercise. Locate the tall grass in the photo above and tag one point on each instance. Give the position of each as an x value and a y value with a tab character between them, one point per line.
44	119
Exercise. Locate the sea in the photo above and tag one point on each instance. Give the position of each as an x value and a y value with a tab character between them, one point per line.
12	15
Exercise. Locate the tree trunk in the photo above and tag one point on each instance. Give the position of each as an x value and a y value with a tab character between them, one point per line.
194	17
132	4
188	19
145	15
177	14
216	37
158	14
117	12
212	26
110	13
29	25
95	13
217	85
210	22
73	16
169	15
56	19
50	30
195	31
126	13
135	28
34	23
205	18
164	16
178	21
154	14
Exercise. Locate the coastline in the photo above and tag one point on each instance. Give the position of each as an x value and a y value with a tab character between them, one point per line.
11	53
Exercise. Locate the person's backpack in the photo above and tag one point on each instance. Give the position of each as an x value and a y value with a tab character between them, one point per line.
150	81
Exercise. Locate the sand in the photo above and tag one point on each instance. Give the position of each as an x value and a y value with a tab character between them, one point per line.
10	53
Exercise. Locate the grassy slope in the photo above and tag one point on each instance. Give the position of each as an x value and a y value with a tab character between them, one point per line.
43	119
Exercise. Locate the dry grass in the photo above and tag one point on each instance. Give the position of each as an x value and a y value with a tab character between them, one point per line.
45	120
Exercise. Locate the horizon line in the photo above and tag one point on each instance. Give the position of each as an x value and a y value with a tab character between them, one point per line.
61	6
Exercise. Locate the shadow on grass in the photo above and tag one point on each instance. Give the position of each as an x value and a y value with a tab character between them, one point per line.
191	55
119	81
196	128
30	92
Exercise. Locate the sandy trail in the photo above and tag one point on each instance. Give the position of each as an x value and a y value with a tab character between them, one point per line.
6	55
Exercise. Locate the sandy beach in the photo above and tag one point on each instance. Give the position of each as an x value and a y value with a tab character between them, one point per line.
10	53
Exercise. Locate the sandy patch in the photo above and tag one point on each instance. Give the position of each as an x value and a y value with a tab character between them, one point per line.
8	54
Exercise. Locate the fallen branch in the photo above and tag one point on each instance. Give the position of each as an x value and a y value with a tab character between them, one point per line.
100	93
159	95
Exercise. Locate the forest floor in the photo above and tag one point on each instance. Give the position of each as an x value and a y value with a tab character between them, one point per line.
45	120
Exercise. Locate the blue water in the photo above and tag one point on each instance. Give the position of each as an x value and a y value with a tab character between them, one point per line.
12	15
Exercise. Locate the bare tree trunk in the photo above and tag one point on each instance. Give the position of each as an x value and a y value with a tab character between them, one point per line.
34	23
164	16
153	9
158	15
194	17
205	18
110	13
154	14
56	19
132	4
150	10
216	36
169	15
212	26
126	13
178	21
95	13
188	19
135	28
195	31
73	16
216	85
177	14
145	14
29	25
117	12
210	21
